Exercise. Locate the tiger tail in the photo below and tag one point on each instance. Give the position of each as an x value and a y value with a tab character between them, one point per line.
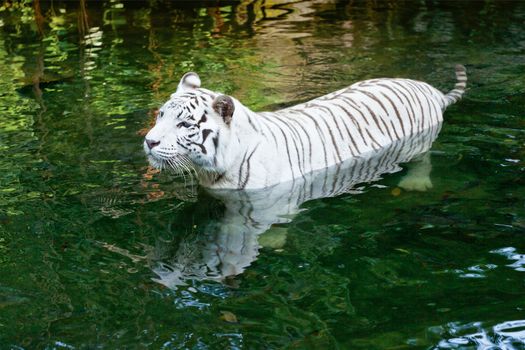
459	89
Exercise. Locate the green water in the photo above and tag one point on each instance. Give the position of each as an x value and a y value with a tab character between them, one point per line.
89	236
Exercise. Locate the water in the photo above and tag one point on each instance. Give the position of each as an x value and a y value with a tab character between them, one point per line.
98	251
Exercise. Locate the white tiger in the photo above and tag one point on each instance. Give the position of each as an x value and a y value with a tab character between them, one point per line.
232	147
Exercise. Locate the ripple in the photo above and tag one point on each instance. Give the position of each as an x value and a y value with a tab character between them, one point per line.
509	335
475	271
511	254
480	270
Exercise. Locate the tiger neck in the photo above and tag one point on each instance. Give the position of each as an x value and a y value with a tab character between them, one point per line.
242	138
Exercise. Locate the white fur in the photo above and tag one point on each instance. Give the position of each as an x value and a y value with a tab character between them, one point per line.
257	150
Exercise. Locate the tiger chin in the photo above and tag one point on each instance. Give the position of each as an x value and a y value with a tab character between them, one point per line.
228	146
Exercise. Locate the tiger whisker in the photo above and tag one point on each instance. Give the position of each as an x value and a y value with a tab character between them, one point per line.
181	165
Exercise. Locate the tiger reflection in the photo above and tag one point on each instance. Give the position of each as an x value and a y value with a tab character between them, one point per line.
228	245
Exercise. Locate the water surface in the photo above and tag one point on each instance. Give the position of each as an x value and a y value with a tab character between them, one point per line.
98	250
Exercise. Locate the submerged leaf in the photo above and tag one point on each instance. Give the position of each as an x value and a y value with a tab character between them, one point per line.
229	317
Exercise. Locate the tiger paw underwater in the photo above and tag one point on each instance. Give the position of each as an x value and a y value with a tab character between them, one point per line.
231	147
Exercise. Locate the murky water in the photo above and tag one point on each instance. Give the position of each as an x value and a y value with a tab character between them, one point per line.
97	250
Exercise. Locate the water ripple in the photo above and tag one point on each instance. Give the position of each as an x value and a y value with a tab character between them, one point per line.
509	335
511	254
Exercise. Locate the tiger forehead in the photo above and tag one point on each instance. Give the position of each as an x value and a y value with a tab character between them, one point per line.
196	96
189	101
183	108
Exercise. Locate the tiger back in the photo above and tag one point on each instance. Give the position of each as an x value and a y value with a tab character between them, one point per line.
229	146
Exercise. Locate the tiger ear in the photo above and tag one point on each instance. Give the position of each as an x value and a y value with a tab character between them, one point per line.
224	106
189	81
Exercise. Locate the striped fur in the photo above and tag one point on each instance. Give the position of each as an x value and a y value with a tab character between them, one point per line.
245	149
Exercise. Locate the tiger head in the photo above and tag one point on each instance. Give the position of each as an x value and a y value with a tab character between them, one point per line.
191	128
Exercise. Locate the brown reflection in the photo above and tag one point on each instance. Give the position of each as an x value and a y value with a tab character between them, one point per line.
39	18
218	21
82	19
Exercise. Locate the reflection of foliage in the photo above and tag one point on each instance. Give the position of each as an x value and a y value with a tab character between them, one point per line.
22	10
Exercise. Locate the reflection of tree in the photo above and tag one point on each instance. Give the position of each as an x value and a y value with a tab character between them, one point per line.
39	18
82	19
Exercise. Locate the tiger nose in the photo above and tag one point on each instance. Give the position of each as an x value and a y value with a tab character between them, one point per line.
152	143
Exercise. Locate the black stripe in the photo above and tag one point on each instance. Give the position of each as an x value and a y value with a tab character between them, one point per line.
218	178
205	134
412	113
349	101
356	150
375	118
431	106
417	87
183	146
397	113
333	140
333	178
373	140
243	185
417	121
207	94
294	143
309	141
286	144
432	92
359	170
357	109
420	100
356	127
367	82
351	117
356	123
318	131
382	119
335	118
240	169
248	116
372	97
395	92
300	140
271	132
215	140
394	128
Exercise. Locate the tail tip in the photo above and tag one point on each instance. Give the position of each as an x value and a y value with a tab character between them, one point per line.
460	68
456	94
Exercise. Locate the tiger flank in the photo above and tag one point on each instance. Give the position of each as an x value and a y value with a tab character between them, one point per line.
228	146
